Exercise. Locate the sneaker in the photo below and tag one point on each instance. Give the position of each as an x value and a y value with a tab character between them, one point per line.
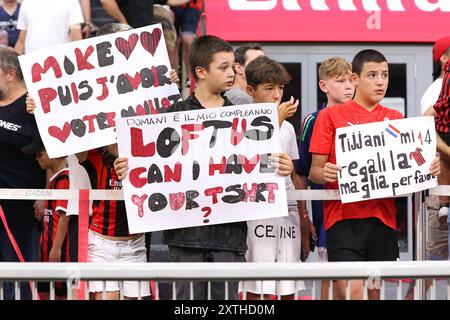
443	214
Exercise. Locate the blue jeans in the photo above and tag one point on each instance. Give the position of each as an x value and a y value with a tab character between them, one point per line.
28	242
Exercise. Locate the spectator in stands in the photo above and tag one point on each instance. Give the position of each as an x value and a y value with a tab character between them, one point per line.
440	112
437	234
243	55
9	14
43	24
353	232
140	13
57	22
275	239
441	54
17	170
164	15
187	17
335	80
3	38
109	238
136	13
117	27
55	244
112	28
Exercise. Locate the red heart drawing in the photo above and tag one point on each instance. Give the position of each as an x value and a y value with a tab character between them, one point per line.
126	47
150	41
59	134
136	81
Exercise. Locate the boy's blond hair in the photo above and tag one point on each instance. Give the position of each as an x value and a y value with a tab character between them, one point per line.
334	67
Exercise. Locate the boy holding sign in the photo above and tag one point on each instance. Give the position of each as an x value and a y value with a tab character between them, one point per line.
335	80
365	230
211	61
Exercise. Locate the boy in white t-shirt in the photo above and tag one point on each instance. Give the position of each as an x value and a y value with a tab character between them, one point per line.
274	239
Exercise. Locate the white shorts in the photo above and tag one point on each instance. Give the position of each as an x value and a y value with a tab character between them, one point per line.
101	250
273	240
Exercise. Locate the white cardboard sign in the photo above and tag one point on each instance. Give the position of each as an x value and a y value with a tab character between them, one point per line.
385	159
201	167
81	87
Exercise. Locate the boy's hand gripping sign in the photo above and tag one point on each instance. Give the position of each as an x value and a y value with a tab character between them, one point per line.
385	159
201	167
82	87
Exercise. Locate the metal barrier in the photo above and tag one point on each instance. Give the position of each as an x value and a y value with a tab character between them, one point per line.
384	271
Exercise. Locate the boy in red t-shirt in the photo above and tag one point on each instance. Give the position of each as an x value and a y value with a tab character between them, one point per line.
335	80
365	230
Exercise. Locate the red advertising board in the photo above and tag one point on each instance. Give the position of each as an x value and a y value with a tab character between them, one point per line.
328	20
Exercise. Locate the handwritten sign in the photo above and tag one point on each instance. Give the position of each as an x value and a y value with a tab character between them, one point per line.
385	159
201	167
81	87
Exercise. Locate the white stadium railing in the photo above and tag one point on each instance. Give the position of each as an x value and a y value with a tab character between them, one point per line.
373	273
73	273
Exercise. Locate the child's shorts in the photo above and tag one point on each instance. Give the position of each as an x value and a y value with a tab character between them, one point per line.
273	240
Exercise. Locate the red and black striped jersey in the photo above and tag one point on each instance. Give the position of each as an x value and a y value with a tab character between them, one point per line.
108	216
53	211
442	105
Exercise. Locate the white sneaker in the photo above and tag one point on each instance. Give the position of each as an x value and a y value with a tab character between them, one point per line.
443	215
443	211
